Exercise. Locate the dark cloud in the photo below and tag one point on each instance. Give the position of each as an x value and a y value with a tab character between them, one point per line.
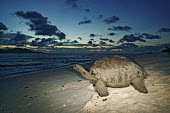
3	26
120	28
111	34
42	42
19	37
49	40
111	20
90	42
61	36
37	39
104	39
138	37
1	32
75	41
39	44
72	3
150	36
164	30
80	38
102	43
128	45
86	10
131	38
7	36
14	39
30	15
40	24
93	35
85	22
85	18
111	41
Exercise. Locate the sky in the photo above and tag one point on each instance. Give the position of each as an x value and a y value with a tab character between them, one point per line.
89	22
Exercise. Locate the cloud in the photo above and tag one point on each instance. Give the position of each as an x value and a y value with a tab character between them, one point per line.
37	39
7	36
80	38
164	30
40	24
131	38
111	20
138	37
102	43
19	37
128	45
90	42
111	34
85	10
39	44
72	3
111	41
49	40
93	35
150	36
75	41
61	36
3	26
120	28
42	42
14	39
85	22
1	32
104	39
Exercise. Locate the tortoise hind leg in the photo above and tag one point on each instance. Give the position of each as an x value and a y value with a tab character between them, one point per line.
101	88
139	85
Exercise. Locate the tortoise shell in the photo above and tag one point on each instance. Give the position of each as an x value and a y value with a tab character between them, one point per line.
116	69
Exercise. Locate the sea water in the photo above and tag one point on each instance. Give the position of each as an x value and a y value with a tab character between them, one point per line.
19	63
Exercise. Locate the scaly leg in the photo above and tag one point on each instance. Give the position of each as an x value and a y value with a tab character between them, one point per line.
139	85
101	88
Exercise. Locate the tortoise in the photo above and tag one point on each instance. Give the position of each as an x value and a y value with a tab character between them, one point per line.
116	72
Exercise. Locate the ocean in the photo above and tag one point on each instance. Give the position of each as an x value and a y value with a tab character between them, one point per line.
14	64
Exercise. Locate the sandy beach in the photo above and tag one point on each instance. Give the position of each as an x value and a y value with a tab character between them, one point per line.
63	90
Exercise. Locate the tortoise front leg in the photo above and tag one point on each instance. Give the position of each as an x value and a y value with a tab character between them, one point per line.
101	88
